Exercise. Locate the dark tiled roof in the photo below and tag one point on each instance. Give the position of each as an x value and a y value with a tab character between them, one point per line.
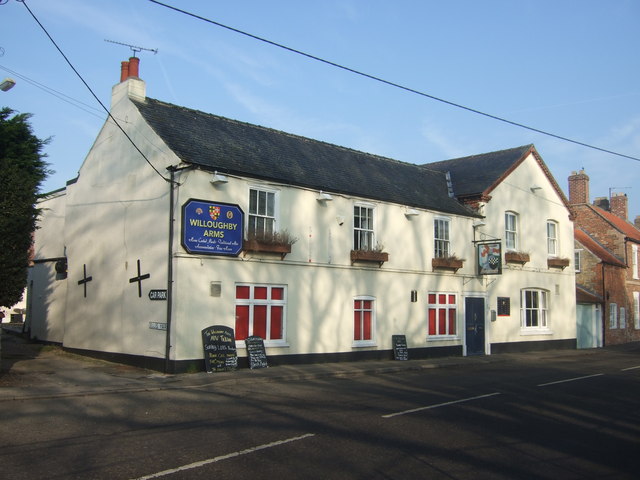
234	147
475	174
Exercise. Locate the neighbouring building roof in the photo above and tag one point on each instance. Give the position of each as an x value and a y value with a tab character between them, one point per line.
585	296
623	226
598	250
234	147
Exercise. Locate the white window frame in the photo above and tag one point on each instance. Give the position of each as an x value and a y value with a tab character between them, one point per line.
251	302
364	232
577	259
634	262
365	342
623	318
636	310
511	230
541	309
441	237
552	238
613	316
264	214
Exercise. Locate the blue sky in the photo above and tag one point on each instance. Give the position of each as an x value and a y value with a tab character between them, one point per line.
570	67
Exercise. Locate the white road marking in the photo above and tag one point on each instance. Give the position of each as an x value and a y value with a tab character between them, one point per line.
630	368
389	415
224	457
570	379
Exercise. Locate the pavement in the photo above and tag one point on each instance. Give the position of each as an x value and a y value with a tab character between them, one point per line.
35	371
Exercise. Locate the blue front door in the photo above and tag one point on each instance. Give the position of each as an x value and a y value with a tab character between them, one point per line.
474	325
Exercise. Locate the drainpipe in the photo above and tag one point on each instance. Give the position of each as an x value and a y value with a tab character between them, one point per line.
604	307
167	362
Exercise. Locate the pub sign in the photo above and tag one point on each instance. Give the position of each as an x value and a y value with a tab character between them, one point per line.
489	258
212	228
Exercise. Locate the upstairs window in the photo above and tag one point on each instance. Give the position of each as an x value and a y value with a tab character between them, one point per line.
634	261
441	232
262	213
577	260
552	238
363	234
511	230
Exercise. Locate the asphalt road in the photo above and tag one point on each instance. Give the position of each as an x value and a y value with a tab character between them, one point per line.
535	417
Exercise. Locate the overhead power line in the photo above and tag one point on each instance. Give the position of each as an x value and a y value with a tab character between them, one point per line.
92	92
396	85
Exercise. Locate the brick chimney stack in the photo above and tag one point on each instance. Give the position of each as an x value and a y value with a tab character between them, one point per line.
129	69
578	188
619	205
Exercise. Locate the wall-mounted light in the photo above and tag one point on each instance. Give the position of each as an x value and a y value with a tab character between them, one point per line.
478	224
535	187
7	84
218	178
324	197
411	212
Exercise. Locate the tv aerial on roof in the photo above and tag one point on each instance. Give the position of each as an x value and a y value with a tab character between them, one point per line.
135	49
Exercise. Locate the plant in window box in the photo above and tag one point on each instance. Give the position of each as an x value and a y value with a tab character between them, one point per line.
375	254
557	262
517	257
274	242
449	262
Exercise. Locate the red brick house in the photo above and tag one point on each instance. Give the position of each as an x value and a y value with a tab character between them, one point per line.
607	270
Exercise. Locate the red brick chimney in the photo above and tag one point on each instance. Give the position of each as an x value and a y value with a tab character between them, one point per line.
129	68
578	188
619	205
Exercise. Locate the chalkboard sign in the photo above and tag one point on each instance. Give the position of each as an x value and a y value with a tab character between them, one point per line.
255	352
400	350
219	346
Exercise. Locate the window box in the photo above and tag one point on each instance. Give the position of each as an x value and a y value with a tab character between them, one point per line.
279	243
369	256
516	257
556	262
447	263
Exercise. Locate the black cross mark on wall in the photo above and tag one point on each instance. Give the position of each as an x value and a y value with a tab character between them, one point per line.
85	279
139	279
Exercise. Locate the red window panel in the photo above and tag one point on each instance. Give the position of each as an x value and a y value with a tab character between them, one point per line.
275	331
357	324
260	321
432	321
452	299
243	292
432	298
442	299
277	293
260	293
442	321
366	327
242	322
452	321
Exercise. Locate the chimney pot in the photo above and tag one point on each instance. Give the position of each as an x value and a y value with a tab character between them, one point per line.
124	71
134	66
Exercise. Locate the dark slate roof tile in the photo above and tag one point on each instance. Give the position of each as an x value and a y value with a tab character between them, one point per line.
473	175
233	147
